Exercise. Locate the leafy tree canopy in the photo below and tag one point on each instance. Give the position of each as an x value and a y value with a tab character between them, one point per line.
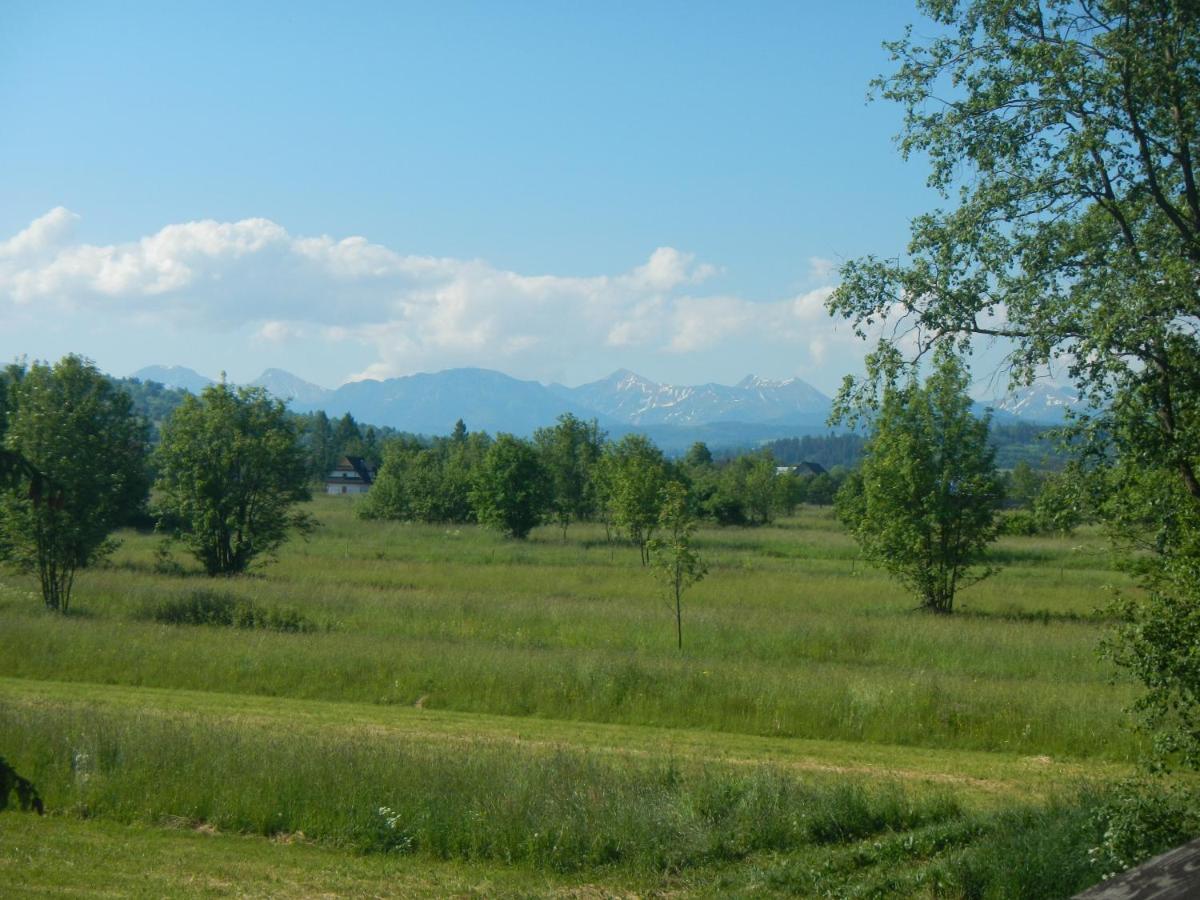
923	503
569	452
632	474
77	455
230	469
1067	134
674	560
510	488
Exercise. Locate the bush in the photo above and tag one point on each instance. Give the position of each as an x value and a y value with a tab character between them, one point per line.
205	607
1144	819
1027	853
1019	523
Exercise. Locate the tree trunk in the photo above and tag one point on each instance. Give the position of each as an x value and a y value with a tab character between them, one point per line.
678	614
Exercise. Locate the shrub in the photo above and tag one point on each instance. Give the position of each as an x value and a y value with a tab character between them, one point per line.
1143	819
1019	523
206	607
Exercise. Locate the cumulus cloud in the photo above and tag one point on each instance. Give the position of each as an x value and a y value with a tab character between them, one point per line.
43	233
407	312
276	332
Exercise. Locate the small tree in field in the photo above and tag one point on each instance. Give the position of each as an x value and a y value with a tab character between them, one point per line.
672	555
569	452
76	460
511	491
923	503
230	467
633	473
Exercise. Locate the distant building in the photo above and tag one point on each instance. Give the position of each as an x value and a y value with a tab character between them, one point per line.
351	475
806	469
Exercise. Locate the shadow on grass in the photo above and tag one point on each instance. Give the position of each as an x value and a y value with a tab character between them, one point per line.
1042	616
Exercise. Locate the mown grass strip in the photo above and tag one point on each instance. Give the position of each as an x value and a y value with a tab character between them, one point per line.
68	857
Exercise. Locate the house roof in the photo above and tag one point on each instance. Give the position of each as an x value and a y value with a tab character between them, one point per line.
361	470
804	468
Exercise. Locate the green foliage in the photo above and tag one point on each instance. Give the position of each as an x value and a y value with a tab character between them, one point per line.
1157	641
347	437
741	491
924	501
204	607
1022	485
698	456
152	401
230	469
569	453
419	483
510	489
827	450
791	490
631	477
1069	145
758	486
1061	505
1070	138
1143	818
1153	516
78	456
1035	853
1018	523
677	564
322	452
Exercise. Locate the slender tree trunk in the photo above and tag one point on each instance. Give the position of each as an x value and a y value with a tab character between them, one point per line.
678	613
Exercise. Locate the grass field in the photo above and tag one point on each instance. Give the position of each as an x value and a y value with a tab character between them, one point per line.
521	712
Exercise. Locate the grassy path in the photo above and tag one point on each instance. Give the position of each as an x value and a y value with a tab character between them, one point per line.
65	857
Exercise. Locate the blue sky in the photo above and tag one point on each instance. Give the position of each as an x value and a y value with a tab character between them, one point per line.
366	190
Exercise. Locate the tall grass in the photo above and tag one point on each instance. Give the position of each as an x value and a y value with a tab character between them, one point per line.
790	635
540	807
733	829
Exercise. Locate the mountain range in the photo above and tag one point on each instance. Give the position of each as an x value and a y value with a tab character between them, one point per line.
1042	402
753	410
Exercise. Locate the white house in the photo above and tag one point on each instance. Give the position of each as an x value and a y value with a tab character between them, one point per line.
351	475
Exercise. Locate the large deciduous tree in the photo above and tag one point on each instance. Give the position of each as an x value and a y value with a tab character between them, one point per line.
230	468
924	501
1067	132
75	455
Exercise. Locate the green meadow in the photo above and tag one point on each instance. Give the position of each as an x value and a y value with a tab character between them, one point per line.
441	711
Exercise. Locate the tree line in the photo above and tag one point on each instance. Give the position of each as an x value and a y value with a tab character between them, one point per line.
227	468
572	472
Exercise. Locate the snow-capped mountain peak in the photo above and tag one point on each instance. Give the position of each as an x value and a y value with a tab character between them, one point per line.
1044	402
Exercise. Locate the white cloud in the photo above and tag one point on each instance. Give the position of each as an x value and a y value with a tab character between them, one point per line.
667	268
821	270
276	332
703	323
810	307
400	312
43	233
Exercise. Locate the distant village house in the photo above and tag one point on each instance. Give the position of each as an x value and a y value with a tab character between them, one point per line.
805	469
351	475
